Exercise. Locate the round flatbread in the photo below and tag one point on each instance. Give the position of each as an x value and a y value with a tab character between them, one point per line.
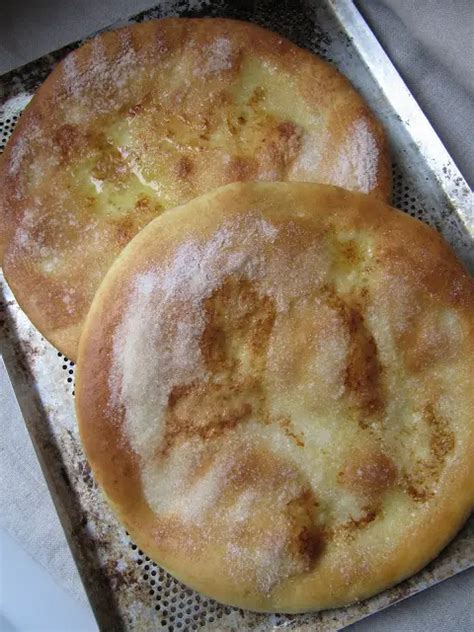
274	391
148	117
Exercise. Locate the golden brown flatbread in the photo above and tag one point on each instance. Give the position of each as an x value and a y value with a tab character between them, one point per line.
275	393
147	117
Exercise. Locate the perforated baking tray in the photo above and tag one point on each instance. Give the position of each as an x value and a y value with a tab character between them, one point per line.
128	591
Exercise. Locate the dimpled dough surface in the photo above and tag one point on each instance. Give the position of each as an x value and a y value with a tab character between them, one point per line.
147	117
274	391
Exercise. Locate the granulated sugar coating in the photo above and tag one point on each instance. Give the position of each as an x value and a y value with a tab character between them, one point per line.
145	118
359	156
274	391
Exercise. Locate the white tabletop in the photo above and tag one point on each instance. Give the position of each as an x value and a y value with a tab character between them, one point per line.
431	43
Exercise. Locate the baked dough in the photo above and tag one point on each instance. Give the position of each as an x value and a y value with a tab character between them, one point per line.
148	117
274	391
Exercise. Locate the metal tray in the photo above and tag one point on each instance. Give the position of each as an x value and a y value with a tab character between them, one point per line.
128	591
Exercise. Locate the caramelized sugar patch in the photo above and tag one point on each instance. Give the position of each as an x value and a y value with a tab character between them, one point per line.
348	256
257	506
363	376
307	537
349	530
241	168
111	166
369	474
285	143
281	535
146	209
126	225
287	426
219	407
184	167
70	140
442	438
429	338
369	515
420	481
239	322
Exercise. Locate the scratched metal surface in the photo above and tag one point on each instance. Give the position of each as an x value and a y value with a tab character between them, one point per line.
128	591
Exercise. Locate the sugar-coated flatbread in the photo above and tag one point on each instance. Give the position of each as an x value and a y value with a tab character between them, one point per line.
147	117
275	392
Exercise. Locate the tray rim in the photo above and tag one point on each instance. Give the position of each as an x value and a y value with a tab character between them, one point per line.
391	82
449	178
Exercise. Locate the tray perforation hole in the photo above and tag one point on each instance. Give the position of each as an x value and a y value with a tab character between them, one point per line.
406	198
6	128
177	606
69	368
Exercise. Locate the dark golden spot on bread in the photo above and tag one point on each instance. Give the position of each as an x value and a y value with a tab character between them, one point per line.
281	144
258	468
110	166
350	254
70	139
269	476
415	489
146	206
90	202
425	340
368	516
363	369
349	530
306	537
309	544
287	425
184	167
289	142
241	168
136	109
239	322
145	102
363	297
126	225
363	376
258	95
349	249
204	410
125	230
423	475
442	437
369	474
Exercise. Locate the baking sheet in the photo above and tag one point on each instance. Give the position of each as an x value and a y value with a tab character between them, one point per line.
127	591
